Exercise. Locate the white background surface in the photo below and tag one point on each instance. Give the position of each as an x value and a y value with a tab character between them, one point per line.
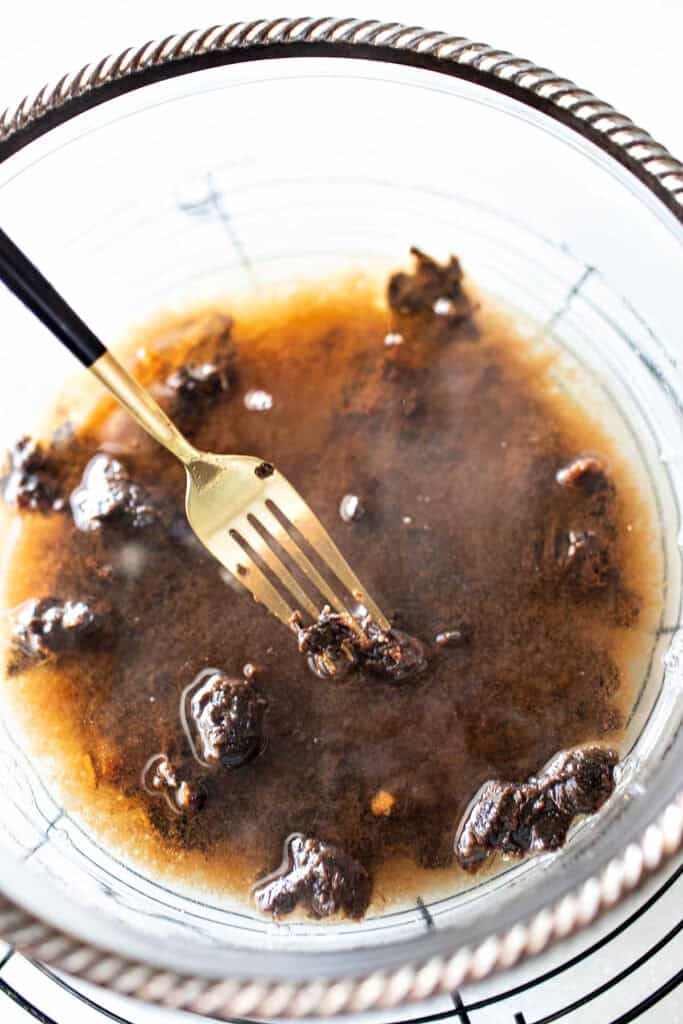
626	51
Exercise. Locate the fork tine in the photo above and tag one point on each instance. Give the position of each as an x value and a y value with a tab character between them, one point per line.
256	582
302	561
243	528
294	509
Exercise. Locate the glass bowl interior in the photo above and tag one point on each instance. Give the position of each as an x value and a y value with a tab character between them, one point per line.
232	180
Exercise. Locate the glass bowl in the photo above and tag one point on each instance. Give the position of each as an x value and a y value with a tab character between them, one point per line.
244	158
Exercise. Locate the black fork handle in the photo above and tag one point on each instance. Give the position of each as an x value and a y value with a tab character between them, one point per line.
38	295
29	285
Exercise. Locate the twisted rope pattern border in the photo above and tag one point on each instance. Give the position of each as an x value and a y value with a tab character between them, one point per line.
237	997
654	165
634	146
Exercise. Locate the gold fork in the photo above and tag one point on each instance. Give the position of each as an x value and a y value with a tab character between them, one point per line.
241	508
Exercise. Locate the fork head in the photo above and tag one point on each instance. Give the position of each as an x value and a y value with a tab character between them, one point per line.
259	528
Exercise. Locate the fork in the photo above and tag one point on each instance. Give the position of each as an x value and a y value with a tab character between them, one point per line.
241	508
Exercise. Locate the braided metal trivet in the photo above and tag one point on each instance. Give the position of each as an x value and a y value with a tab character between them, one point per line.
238	997
652	164
497	69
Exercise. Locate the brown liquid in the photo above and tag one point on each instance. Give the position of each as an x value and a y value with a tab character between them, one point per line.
454	459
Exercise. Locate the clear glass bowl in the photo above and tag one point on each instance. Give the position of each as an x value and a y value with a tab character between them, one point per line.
212	164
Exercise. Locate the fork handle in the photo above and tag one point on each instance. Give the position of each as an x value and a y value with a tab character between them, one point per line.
38	295
35	291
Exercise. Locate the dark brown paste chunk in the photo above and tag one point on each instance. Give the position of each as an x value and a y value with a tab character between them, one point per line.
585	558
228	717
48	626
208	372
435	289
317	876
580	545
330	644
338	642
107	495
528	817
586	473
31	482
163	778
198	383
391	653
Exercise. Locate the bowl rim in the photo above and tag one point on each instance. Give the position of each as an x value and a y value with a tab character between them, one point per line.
614	134
391	42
